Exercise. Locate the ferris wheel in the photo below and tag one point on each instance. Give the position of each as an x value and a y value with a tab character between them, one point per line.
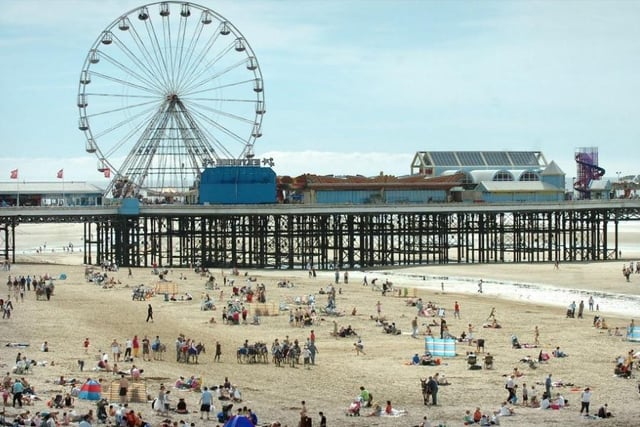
166	90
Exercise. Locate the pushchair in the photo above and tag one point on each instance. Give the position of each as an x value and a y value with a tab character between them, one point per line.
58	401
354	409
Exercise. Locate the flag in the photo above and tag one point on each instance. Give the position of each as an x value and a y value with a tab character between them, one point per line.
60	174
107	173
14	174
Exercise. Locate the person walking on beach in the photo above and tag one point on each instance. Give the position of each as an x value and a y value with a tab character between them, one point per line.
456	310
378	308
590	302
414	327
480	286
492	315
536	335
216	358
580	309
149	313
585	398
323	419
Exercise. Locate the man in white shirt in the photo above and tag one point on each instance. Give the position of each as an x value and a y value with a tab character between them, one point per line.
505	411
560	402
545	404
585	398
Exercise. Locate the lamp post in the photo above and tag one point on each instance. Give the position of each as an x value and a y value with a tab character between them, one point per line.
618	183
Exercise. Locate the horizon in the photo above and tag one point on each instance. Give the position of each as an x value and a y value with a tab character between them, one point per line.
361	96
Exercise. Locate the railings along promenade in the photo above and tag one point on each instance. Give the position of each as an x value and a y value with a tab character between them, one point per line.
292	236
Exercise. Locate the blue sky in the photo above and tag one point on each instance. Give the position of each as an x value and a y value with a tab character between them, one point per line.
357	87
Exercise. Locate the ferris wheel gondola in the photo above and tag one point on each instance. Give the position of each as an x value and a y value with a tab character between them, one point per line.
166	90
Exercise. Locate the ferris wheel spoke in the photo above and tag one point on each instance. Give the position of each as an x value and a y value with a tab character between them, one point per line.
216	143
179	48
146	79
223	113
201	66
151	55
126	121
201	55
186	60
217	88
220	127
117	110
124	141
145	148
155	92
217	76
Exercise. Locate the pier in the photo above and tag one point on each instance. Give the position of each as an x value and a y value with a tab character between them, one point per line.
290	236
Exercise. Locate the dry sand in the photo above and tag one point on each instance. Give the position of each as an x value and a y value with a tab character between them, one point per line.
80	309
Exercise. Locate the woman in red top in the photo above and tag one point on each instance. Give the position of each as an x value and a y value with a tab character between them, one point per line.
136	346
477	415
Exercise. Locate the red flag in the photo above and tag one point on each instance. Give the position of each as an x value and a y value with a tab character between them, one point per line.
60	174
107	173
14	174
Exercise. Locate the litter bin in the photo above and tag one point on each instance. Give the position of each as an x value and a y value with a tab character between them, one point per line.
166	296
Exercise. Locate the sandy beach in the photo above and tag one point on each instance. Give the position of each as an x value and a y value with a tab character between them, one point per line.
81	309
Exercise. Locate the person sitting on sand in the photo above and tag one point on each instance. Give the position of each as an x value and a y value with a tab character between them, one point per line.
377	411
493	325
68	400
488	361
622	370
103	365
545	403
543	357
615	332
559	402
468	418
441	379
181	407
390	410
603	412
427	359
559	353
505	411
